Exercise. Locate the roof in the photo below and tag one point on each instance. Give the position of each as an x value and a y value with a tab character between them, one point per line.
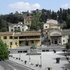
29	17
49	29
65	32
52	24
56	34
16	24
6	33
26	33
52	21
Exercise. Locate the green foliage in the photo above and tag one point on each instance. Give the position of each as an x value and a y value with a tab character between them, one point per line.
68	44
68	21
36	24
4	29
17	30
62	15
3	50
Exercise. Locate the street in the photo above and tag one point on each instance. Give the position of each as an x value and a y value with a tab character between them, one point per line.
8	65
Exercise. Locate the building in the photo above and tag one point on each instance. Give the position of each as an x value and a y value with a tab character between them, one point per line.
28	20
18	27
51	24
15	40
59	37
55	35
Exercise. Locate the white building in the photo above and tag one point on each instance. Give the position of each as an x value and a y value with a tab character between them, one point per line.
51	24
59	37
54	34
18	27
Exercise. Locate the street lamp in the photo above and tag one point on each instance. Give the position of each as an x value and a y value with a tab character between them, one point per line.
19	55
40	58
40	61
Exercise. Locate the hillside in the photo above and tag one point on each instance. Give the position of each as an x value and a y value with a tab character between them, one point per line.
40	17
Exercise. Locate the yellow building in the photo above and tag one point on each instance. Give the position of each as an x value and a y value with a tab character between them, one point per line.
28	20
14	40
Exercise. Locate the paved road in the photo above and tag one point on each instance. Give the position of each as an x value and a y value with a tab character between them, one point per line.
8	65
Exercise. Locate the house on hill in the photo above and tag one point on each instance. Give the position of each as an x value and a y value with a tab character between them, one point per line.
28	20
18	27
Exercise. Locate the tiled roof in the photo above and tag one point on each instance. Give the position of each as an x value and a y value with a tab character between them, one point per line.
27	33
29	17
6	33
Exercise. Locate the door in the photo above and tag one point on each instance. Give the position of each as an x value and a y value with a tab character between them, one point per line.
55	41
27	43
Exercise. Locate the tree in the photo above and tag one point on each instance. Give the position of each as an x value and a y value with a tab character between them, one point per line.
3	51
68	22
36	24
54	15
68	44
4	29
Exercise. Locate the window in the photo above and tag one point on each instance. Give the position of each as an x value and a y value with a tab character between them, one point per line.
5	37
22	29
18	28
15	43
10	43
63	40
32	41
15	37
45	26
11	37
15	27
28	21
25	21
22	37
12	30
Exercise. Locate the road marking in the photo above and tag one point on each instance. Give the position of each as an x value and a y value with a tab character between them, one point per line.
11	67
20	65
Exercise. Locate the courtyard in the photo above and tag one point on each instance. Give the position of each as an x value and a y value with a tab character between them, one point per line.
46	60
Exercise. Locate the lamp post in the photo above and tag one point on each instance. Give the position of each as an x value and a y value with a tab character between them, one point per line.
40	58
19	55
29	55
40	61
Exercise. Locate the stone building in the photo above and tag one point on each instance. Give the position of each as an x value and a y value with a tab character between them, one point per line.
54	33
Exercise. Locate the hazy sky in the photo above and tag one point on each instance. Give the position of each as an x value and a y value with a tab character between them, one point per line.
8	6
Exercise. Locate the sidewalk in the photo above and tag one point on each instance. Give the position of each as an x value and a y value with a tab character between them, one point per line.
1	68
32	67
47	59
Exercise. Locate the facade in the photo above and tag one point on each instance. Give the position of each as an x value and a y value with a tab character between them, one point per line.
59	37
27	38
17	27
51	24
28	20
54	34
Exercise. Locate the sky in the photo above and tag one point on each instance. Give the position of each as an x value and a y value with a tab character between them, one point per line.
8	6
